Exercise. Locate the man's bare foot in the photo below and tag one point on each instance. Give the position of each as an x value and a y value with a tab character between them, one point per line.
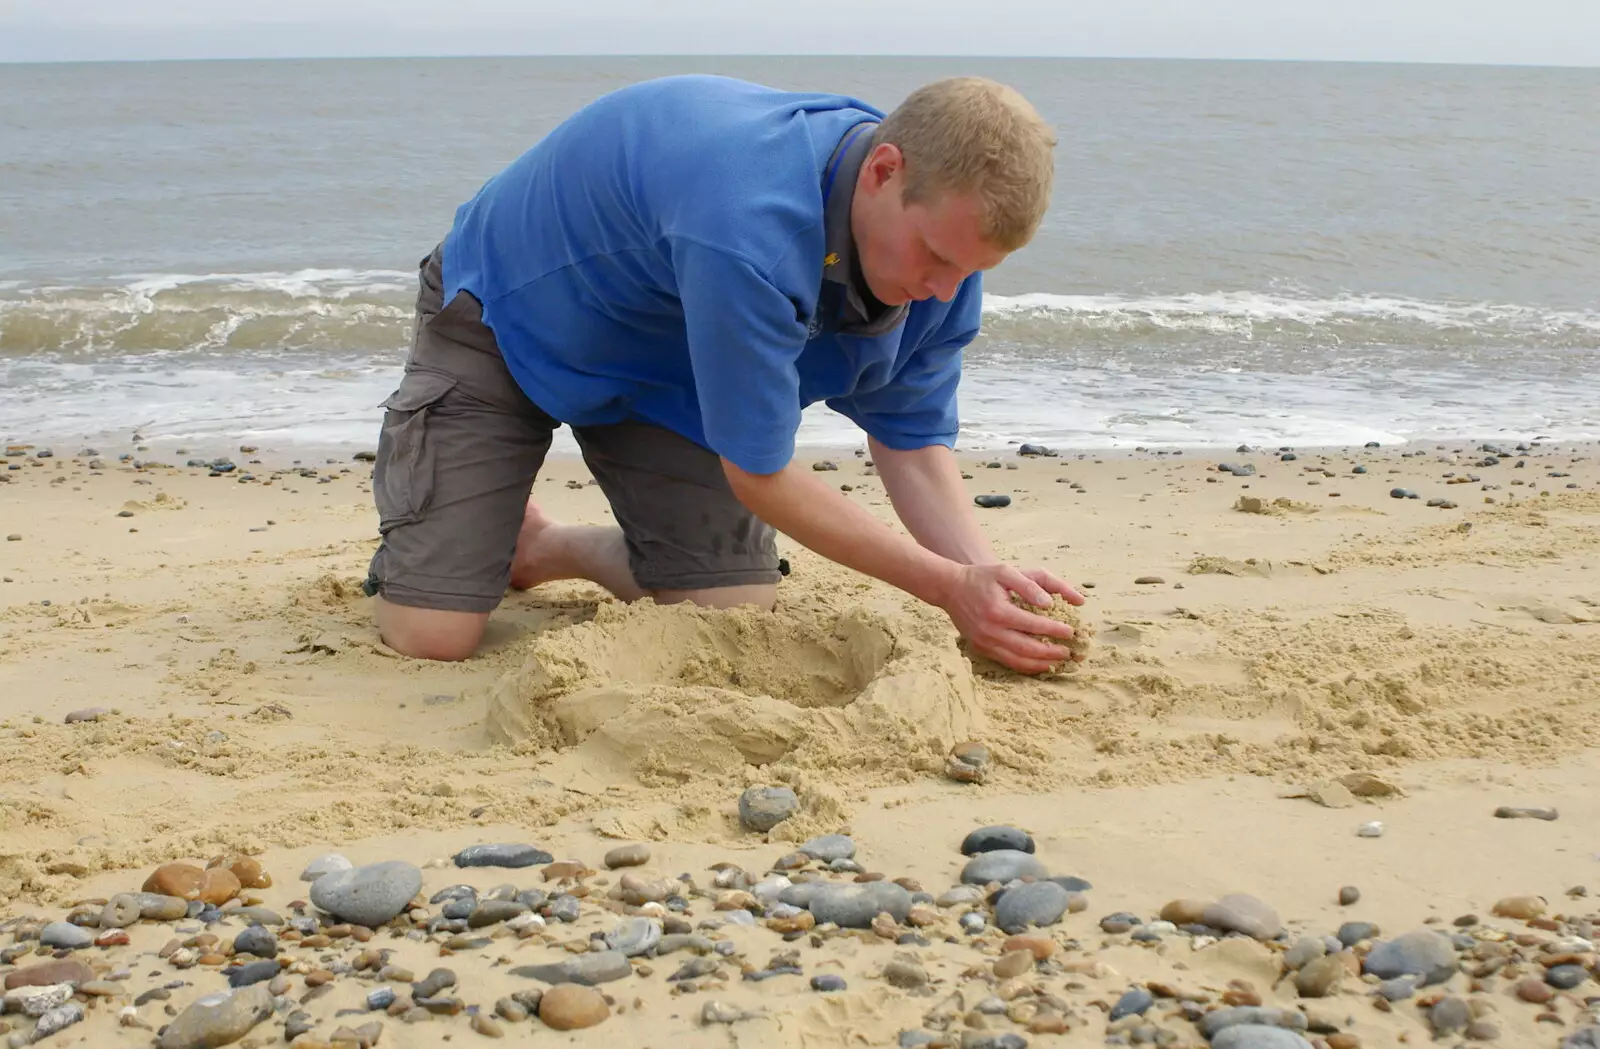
526	569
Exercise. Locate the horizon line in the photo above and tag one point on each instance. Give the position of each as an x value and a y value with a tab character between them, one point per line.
406	56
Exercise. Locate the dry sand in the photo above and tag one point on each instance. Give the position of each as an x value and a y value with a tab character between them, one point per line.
1305	625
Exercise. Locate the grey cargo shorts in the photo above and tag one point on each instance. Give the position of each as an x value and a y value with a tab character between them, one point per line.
461	446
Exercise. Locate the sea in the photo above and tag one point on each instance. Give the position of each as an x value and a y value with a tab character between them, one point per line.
1281	254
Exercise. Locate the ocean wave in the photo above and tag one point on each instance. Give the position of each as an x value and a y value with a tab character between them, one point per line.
1246	313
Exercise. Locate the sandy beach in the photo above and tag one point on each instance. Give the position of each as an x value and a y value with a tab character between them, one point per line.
188	671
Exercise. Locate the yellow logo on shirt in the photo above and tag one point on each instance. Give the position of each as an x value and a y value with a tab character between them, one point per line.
831	259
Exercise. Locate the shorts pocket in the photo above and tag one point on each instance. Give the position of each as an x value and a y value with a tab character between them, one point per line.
403	476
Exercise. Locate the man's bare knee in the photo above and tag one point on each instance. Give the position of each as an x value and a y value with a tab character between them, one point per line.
763	595
428	633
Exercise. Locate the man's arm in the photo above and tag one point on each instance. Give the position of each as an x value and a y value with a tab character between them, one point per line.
928	496
975	596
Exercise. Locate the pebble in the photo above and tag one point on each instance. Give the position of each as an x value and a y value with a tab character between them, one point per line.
331	863
369	895
721	1013
1448	1015
828	983
486	1026
1535	990
176	879
1423	953
595	967
381	998
1349	896
968	762
1255	1036
1320	977
905	973
514	856
257	941
634	936
973	923
1504	812
985	1040
1522	908
1032	903
491	912
762	808
570	1006
65	935
958	895
57	1019
1352	933
1398	989
1135	1001
627	856
87	714
1149	580
1370	829
989	502
46	974
854	906
992	839
1013	964
695	968
217	1019
1213	1023
1002	865
1243	914
511	1010
829	847
252	973
1565	977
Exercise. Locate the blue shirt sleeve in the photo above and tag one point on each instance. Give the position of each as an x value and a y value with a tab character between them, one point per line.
745	335
918	406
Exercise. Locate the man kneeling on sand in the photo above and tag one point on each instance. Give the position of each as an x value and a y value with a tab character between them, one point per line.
675	272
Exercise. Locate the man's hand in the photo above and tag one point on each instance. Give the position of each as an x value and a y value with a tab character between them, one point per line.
979	604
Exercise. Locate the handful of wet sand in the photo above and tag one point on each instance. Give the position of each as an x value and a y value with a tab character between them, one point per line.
1077	646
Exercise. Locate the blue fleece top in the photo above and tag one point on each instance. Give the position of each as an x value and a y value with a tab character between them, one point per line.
659	256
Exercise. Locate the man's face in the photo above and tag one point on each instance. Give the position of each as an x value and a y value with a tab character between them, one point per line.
910	252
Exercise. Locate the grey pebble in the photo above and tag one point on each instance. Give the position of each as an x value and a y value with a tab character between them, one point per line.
65	935
458	910
845	866
369	895
739	917
1244	914
828	983
1305	949
1423	953
959	895
252	973
453	892
829	847
990	839
913	1039
1134	1002
1349	896
259	915
973	923
1255	1036
636	936
257	941
57	1019
1213	1023
684	942
502	855
596	967
725	948
436	981
762	808
854	906
1566	977
1448	1015
1032	903
1008	1040
221	1018
564	908
1352	933
381	998
1002	865
493	912
695	968
298	1023
1399	988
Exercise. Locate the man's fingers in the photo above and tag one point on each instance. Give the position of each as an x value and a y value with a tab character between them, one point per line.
1010	617
1055	585
1022	646
1019	583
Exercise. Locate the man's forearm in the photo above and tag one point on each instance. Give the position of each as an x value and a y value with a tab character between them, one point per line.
814	514
926	489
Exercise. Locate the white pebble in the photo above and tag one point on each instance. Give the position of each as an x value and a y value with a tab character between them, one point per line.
1373	829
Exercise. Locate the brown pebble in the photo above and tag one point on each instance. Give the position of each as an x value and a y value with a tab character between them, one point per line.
1041	947
46	974
361	934
627	856
112	938
1013	964
1184	912
486	1026
1343	1040
1482	1031
1535	990
562	870
570	1006
1049	1023
511	1010
182	880
1520	907
246	868
909	884
317	941
212	959
1241	993
801	922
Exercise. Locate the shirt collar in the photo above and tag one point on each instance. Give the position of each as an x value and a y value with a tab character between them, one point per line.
839	260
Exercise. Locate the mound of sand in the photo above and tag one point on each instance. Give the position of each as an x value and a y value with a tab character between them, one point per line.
673	694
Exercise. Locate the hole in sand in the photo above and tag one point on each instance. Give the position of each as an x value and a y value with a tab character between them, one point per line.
674	692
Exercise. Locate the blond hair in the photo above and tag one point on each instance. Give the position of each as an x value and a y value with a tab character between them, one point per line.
973	135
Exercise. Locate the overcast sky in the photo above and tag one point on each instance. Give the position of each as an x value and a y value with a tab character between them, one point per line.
1533	32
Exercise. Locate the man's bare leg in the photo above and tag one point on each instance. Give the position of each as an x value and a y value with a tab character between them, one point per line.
548	551
428	633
